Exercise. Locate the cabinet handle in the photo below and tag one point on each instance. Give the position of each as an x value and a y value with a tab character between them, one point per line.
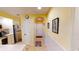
25	34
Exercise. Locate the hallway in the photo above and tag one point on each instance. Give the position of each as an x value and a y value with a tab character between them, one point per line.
44	29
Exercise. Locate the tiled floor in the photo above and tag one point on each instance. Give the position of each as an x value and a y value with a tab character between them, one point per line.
34	48
15	47
48	44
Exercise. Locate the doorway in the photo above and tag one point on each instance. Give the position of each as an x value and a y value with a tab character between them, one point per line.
39	32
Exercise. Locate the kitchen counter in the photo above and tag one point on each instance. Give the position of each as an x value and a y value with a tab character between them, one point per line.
1	38
10	38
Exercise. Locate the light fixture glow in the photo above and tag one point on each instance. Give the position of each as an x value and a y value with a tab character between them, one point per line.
39	8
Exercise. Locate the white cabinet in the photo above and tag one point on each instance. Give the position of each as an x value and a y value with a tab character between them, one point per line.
2	38
10	38
18	36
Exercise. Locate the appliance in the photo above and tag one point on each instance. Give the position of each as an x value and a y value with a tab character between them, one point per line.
14	32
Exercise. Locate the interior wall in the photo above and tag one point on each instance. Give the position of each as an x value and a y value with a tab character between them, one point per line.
65	26
75	37
7	24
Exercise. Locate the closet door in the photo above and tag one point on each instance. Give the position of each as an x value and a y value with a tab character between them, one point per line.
27	31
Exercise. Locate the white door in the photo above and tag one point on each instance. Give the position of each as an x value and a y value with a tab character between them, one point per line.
27	31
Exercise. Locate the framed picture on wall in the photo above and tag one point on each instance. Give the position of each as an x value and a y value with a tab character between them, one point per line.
55	25
48	25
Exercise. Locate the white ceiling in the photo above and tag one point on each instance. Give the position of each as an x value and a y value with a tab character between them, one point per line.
25	10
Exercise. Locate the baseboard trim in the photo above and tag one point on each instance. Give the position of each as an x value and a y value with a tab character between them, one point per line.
57	43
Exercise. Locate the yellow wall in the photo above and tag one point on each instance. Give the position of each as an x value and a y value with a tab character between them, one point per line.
7	15
34	16
65	25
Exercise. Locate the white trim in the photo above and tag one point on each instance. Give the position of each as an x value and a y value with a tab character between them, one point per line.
58	43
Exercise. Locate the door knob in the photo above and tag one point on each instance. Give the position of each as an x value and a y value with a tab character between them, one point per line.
25	34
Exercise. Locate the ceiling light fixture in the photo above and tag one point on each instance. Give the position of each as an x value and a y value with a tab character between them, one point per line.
39	8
